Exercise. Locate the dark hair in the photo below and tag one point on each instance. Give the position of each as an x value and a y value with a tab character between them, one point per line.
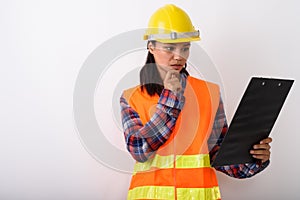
150	78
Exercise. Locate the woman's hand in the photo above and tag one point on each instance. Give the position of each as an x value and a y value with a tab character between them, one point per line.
172	81
262	150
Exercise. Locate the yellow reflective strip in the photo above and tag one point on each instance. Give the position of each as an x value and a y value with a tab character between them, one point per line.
199	193
182	161
152	192
168	193
158	162
193	161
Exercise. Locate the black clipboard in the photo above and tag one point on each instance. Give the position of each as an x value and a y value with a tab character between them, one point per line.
253	119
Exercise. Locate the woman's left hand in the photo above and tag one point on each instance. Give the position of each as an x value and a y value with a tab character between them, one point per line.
262	150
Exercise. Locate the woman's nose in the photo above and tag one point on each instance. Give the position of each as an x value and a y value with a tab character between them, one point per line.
178	55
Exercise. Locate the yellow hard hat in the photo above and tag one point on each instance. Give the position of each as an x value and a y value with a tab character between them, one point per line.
170	24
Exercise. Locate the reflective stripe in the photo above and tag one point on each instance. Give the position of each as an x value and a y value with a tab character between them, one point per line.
173	35
193	161
168	193
152	192
198	193
158	161
182	161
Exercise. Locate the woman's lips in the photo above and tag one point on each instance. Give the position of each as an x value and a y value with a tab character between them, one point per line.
177	67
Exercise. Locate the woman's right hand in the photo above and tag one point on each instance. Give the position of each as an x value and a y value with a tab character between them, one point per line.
172	81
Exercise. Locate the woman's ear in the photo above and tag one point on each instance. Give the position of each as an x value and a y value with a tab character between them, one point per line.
150	47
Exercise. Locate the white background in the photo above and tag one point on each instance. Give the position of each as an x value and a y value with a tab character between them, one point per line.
43	45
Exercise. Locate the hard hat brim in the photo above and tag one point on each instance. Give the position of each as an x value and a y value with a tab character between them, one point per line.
172	37
179	40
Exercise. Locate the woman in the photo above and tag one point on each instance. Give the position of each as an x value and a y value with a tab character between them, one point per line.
173	123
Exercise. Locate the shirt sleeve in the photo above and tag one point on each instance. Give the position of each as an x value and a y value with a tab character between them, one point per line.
143	140
217	136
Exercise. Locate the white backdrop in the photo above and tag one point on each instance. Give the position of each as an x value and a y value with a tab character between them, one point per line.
43	47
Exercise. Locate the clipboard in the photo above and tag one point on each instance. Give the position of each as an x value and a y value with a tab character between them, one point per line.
253	120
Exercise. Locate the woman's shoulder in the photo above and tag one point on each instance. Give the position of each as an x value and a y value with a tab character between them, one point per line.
195	80
138	93
127	93
134	88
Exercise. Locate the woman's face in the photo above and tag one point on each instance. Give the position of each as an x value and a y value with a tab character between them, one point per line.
169	55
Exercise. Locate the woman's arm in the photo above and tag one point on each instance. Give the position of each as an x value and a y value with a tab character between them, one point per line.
143	140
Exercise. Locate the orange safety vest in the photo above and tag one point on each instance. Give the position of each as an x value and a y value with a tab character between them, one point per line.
180	169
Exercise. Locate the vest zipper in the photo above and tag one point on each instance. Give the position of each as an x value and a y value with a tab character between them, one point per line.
174	170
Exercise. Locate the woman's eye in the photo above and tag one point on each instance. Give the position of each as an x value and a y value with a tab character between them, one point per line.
169	48
186	49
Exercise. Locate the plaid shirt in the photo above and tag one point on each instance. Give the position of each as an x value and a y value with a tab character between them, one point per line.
143	140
